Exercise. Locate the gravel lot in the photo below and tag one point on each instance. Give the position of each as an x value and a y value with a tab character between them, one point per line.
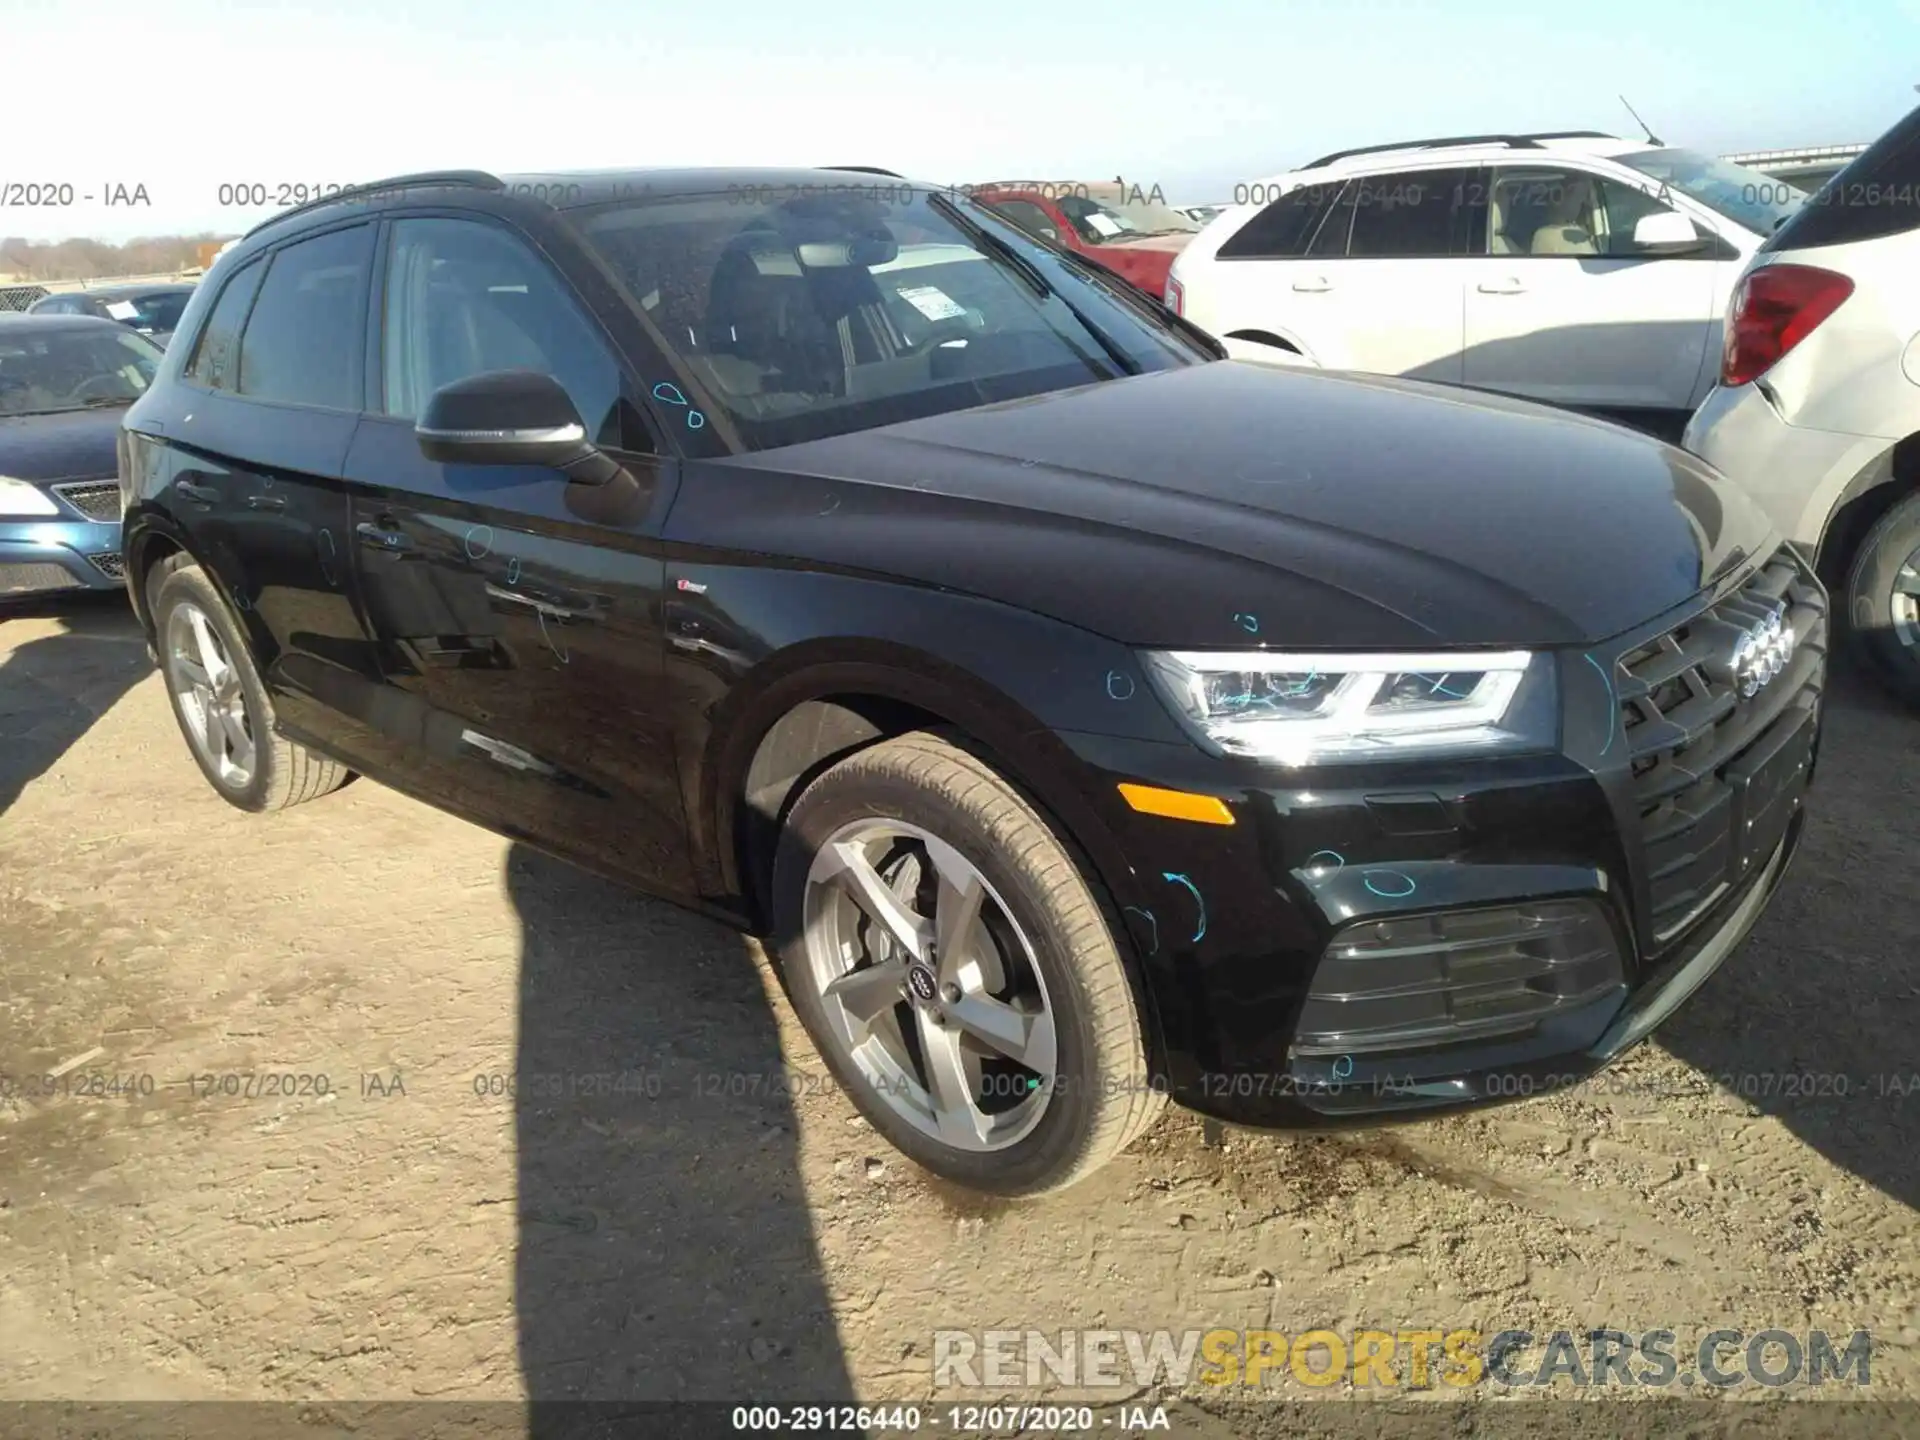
693	1235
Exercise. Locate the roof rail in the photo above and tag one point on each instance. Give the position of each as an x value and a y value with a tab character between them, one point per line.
1517	142
477	179
867	170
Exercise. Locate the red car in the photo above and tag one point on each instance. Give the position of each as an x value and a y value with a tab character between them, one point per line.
1133	234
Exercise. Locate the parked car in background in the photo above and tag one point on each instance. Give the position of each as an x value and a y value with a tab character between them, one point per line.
1111	224
1200	214
153	310
1572	267
65	383
1817	412
1085	718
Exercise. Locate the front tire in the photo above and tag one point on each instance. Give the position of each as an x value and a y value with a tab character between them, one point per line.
957	974
1883	595
222	709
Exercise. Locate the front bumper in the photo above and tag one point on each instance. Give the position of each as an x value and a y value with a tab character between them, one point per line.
39	557
1236	927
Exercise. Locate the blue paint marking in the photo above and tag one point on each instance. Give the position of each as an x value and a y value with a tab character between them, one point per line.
1198	898
669	393
513	571
695	420
1393	885
1340	1073
1152	923
1119	685
476	548
1613	705
1248	623
1439	687
1302	687
1339	861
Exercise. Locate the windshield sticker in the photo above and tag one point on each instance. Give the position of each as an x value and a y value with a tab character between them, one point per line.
122	309
933	302
1103	225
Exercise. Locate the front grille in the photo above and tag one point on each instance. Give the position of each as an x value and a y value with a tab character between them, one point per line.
110	564
1708	760
95	499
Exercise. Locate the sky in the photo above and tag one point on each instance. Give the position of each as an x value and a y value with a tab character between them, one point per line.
1191	98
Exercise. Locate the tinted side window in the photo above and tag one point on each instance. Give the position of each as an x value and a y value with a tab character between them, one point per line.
219	344
303	340
1331	238
1409	215
1283	229
464	298
1877	195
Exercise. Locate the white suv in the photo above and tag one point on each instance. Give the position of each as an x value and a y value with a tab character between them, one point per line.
1573	267
1817	412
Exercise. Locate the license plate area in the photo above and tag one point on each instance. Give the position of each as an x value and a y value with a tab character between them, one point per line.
1767	783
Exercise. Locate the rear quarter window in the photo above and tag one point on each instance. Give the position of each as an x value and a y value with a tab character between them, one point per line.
1876	196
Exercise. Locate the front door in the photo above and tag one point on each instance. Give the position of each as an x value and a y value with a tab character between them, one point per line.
518	615
1562	308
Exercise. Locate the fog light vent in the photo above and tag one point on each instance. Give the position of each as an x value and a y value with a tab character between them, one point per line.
1415	982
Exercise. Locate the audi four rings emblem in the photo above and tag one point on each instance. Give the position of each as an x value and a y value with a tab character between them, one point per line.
1763	652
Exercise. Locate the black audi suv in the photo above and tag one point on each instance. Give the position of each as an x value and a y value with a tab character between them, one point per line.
1085	718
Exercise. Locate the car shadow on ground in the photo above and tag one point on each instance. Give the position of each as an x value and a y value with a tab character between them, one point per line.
666	1250
54	687
1814	1020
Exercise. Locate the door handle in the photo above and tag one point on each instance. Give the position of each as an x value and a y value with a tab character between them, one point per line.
391	541
1501	287
266	502
204	494
1313	286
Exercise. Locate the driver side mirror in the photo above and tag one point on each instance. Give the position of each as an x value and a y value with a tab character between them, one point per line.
510	417
1666	232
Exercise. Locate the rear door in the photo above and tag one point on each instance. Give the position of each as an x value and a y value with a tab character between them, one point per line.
518	616
257	437
1563	308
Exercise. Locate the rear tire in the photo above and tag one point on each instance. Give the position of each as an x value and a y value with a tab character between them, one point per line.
1883	599
222	709
1027	1001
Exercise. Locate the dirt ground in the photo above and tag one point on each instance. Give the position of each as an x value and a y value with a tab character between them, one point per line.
687	1233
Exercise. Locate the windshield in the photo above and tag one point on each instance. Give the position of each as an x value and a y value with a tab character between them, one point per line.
1746	197
158	313
843	308
55	370
1150	217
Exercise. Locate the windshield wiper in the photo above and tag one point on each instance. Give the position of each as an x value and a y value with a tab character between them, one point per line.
1000	250
100	402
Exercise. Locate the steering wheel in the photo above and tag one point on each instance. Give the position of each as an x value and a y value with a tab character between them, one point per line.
98	387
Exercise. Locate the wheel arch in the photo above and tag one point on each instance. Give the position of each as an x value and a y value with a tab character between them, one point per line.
1876	489
824	704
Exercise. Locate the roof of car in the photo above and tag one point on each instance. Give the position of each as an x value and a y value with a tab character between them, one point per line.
573	189
592	187
20	320
1519	148
156	287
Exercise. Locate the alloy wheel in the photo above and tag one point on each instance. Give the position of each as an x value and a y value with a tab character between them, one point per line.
207	688
1905	602
929	984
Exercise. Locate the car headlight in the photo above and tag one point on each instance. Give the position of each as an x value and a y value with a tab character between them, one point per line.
17	497
1308	708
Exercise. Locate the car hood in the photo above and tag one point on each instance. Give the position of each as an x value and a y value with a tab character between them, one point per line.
1200	506
70	445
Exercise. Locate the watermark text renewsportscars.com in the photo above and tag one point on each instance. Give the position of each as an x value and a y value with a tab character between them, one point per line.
1401	1358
